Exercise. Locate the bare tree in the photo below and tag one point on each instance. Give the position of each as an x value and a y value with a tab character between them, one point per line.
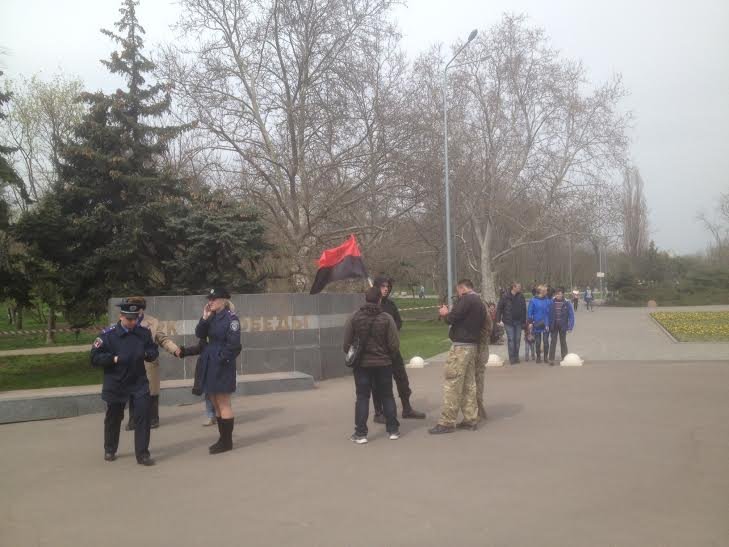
303	100
718	227
635	214
535	145
41	117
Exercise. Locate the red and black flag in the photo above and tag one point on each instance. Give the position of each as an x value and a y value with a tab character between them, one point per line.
339	263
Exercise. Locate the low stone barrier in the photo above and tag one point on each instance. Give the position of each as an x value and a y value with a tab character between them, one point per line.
280	332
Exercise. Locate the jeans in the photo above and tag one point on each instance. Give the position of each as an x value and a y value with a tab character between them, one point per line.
529	349
365	380
542	339
588	305
209	408
401	381
513	336
562	343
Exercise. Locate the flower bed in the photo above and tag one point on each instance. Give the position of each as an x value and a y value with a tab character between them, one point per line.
701	326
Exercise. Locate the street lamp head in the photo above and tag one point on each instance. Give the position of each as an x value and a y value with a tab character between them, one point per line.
473	34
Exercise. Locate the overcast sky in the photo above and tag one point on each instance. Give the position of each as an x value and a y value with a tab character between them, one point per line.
673	55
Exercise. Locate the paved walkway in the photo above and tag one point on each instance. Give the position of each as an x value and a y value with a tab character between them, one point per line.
620	334
53	350
629	454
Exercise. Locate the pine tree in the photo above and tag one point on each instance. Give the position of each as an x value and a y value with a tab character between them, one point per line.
112	189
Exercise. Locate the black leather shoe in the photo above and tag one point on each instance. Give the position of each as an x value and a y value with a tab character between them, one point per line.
467	425
413	414
154	423
146	460
441	429
109	456
379	419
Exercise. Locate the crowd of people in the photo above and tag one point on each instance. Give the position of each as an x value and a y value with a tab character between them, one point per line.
545	321
128	353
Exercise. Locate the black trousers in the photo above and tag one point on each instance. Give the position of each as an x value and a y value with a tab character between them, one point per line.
367	380
115	417
558	331
542	341
399	373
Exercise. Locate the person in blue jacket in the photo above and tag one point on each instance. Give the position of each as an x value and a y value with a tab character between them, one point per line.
121	351
561	321
538	315
219	330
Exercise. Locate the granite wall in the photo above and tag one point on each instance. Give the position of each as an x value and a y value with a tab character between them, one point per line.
280	332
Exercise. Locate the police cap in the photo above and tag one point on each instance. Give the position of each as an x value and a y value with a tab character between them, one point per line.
218	292
138	300
128	309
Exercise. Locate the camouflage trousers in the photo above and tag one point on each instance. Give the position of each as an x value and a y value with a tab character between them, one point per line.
482	358
459	387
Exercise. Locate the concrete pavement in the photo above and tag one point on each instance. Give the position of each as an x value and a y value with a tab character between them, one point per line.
613	453
630	334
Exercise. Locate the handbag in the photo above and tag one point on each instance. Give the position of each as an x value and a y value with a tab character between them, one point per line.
356	350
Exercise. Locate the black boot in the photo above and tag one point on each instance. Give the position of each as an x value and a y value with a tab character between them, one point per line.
408	412
154	412
226	436
130	423
219	442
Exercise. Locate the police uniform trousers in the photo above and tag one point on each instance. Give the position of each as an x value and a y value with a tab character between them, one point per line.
401	381
459	386
115	417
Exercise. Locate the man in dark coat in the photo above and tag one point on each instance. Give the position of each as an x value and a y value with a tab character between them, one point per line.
512	313
121	351
384	284
377	333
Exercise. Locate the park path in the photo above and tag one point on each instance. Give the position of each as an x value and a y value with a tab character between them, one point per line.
630	334
630	454
52	350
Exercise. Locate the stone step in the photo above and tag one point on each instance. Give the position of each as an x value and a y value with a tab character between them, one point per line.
65	402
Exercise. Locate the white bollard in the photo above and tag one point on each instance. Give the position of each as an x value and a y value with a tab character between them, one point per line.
416	362
494	361
571	360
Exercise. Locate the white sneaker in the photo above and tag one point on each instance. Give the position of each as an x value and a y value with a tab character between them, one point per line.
356	439
209	422
394	436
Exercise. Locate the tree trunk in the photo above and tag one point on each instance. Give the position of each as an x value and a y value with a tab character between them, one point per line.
51	334
19	317
488	282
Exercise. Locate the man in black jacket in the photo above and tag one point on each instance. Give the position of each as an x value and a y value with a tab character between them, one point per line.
512	313
398	364
459	389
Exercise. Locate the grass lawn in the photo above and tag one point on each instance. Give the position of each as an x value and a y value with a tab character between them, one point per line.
39	371
423	338
39	340
705	326
417	308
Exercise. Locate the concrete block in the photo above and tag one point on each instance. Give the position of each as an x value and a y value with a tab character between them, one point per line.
54	403
494	361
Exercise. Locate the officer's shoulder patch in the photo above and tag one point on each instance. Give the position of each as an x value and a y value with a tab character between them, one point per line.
98	343
235	324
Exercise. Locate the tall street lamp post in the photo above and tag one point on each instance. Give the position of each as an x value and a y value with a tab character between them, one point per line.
449	257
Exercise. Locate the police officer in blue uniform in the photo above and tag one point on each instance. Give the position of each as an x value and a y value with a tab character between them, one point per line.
121	351
219	332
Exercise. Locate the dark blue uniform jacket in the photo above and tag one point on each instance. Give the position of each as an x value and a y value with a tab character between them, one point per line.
216	366
127	376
